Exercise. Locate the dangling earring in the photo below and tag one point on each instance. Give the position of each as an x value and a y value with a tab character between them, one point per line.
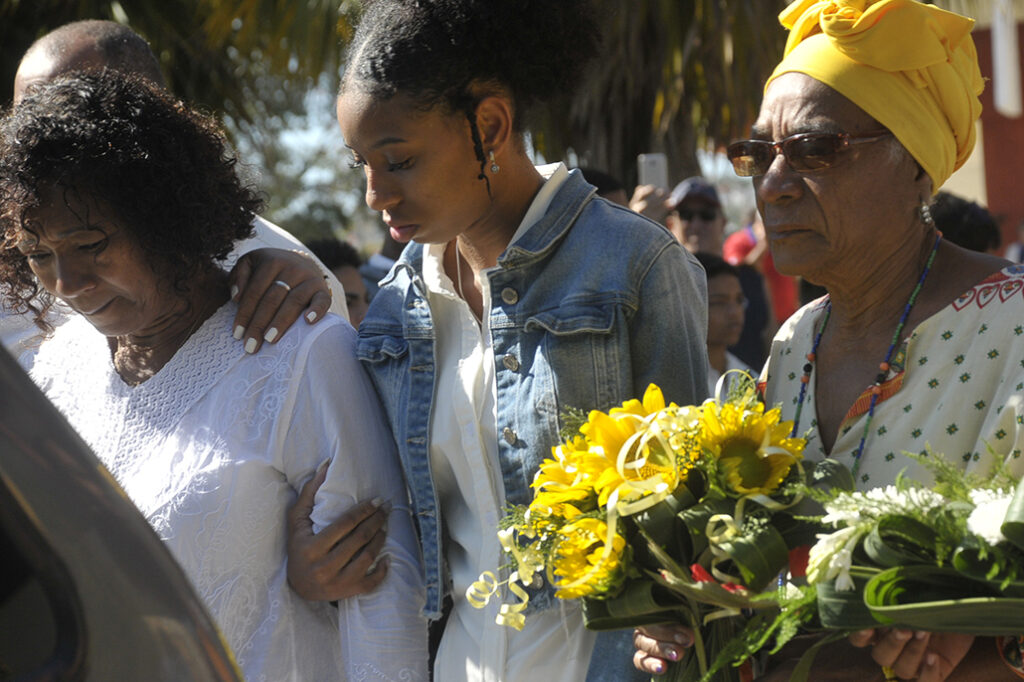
494	164
926	215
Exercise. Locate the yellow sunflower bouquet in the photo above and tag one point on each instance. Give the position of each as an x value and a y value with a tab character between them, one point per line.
651	513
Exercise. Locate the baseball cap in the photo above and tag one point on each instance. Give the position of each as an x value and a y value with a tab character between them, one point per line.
692	188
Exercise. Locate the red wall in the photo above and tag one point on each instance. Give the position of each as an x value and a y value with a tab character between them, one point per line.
1003	145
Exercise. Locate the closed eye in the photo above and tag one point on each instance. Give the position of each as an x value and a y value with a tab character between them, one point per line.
95	246
400	165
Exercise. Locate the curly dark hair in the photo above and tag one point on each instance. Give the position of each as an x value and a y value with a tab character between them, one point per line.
450	53
164	168
965	223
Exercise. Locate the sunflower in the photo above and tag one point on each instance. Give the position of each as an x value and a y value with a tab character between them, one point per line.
563	486
627	445
582	561
752	447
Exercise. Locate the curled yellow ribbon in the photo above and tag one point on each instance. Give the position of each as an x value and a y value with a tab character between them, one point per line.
512	614
483	588
486	586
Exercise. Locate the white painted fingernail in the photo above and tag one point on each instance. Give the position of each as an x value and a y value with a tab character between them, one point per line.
377	502
311	316
239	331
250	346
270	335
234	291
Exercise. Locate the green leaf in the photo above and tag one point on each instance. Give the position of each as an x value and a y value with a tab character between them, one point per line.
662	526
846	610
642	602
898	540
695	521
759	555
942	600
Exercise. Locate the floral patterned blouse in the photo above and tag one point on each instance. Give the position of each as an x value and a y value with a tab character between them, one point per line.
955	387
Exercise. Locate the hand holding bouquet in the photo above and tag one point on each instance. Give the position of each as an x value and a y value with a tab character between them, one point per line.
659	513
942	557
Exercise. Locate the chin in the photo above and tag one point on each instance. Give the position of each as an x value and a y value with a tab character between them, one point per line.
793	262
111	328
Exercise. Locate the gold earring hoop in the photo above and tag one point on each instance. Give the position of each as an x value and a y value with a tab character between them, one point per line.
494	164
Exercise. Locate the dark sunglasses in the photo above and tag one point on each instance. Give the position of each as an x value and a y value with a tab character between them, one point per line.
803	152
705	214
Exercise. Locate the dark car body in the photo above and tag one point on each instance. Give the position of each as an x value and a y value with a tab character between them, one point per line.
87	589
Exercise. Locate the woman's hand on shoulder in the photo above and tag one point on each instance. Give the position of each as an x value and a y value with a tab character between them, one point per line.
273	287
341	560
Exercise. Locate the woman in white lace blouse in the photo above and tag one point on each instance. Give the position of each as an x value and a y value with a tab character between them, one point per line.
119	201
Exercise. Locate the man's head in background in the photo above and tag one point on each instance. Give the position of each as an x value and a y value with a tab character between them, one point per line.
83	45
695	216
342	259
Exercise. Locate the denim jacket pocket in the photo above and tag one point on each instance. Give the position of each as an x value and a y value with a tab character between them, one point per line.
382	348
589	344
574	318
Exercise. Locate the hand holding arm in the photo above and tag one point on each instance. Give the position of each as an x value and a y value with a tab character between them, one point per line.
272	288
335	563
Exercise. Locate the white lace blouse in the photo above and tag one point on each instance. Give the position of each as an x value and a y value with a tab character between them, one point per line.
213	449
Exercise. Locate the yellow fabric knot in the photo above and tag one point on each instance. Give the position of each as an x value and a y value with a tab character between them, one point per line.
911	66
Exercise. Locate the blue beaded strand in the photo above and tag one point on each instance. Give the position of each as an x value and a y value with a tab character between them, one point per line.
809	367
876	388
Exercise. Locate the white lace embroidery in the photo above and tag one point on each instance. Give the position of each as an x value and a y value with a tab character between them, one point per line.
205	450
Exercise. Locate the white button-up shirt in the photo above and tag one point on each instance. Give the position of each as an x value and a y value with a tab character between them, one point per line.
464	460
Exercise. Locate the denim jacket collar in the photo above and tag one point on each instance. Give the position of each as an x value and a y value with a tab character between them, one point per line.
534	244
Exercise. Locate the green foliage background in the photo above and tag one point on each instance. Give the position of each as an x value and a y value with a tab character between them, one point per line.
683	75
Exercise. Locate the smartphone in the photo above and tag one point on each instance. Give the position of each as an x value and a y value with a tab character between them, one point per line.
652	169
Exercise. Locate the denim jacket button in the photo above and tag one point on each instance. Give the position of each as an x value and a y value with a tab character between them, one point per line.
511	362
509	435
509	295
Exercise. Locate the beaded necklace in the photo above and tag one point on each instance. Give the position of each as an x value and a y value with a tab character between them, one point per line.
876	388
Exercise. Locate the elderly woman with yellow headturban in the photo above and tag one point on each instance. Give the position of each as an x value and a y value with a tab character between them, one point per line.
919	343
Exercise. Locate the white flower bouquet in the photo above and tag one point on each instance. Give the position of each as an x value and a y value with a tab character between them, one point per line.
944	557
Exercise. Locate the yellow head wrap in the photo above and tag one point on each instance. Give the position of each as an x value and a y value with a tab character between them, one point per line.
910	66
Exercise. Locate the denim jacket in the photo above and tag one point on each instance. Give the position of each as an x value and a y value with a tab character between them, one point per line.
590	305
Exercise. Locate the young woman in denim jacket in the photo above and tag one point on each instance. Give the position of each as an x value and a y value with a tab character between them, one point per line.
522	295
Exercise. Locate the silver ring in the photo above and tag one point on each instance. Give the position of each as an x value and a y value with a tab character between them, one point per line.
287	287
